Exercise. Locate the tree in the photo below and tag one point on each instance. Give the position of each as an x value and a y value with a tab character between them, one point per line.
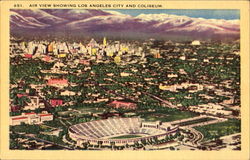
167	138
156	140
181	138
100	144
85	145
112	145
171	148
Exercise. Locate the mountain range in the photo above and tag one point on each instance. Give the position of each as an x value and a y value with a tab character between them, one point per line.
115	24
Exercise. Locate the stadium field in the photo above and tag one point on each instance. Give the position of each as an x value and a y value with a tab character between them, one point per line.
126	136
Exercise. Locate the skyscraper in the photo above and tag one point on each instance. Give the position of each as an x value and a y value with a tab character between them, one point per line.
104	42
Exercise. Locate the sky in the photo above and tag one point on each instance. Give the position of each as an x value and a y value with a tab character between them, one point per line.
227	14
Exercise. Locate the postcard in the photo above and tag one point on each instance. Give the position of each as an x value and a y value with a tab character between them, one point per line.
124	80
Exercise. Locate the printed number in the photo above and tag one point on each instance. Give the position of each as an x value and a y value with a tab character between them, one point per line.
17	5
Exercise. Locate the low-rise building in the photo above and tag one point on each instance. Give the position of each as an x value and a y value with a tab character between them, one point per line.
31	118
56	102
58	82
67	93
28	55
34	103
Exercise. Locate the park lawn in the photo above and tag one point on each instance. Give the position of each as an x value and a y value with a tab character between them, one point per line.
82	111
220	129
55	123
46	128
91	110
28	129
64	113
201	120
171	116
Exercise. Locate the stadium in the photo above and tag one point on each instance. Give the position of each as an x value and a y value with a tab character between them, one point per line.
119	131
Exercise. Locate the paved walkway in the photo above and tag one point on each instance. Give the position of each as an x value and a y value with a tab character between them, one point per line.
197	136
